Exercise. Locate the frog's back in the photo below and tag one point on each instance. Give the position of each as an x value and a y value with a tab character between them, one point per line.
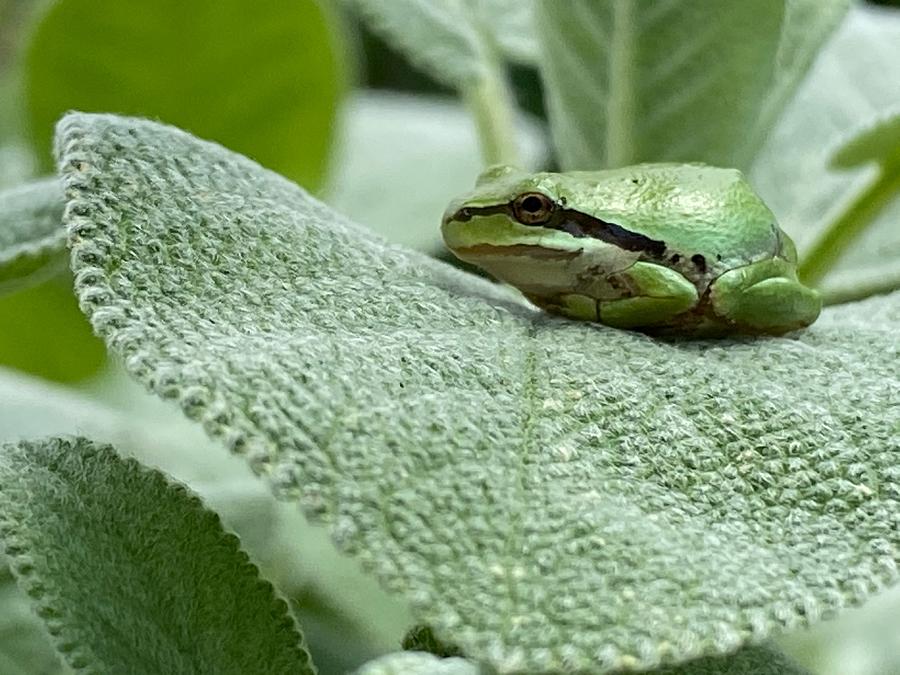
688	206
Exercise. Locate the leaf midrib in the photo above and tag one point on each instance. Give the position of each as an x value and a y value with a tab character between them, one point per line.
620	111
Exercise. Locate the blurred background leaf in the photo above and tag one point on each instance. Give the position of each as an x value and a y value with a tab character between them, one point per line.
400	158
676	81
32	240
456	41
261	77
854	83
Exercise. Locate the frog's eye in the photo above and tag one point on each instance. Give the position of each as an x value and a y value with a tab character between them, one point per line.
533	208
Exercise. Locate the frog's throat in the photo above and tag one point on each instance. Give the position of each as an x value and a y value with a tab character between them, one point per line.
578	225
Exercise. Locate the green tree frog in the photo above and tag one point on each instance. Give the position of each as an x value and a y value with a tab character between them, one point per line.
663	248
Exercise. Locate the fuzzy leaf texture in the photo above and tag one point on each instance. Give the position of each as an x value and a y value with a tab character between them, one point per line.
548	494
686	80
455	40
130	573
238	71
32	239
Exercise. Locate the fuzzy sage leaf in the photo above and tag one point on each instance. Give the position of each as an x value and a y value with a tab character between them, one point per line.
130	573
548	494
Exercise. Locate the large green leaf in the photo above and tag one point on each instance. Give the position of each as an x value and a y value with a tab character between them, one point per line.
549	494
261	77
851	86
32	239
634	81
130	573
455	40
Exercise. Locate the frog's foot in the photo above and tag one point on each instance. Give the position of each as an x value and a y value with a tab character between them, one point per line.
764	297
654	296
569	305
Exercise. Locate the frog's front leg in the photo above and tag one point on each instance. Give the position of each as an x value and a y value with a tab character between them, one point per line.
652	295
764	297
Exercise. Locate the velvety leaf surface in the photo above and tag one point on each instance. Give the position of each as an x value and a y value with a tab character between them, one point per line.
631	82
548	494
32	239
130	572
851	87
263	77
454	40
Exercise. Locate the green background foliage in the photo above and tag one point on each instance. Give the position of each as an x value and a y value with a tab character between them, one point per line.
233	71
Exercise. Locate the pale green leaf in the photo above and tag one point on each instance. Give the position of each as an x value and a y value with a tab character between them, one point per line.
32	238
401	159
418	663
548	494
806	26
262	77
130	573
683	80
852	85
456	41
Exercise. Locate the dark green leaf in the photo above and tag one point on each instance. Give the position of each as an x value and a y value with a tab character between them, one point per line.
261	77
549	494
130	573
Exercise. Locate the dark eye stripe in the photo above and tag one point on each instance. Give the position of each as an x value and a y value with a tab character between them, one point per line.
579	225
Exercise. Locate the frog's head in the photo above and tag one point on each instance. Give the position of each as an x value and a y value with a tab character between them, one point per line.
509	209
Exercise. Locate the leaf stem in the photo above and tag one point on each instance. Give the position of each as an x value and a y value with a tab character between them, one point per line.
852	221
490	100
886	283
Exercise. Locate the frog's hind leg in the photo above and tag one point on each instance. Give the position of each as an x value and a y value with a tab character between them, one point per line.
653	296
764	297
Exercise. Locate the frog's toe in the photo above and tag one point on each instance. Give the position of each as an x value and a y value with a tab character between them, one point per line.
774	305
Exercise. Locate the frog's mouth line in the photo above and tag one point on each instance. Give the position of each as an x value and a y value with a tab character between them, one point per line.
526	250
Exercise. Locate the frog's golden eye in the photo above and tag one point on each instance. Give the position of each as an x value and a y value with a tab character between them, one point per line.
533	208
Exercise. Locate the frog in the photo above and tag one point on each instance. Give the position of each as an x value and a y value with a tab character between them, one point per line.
661	248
